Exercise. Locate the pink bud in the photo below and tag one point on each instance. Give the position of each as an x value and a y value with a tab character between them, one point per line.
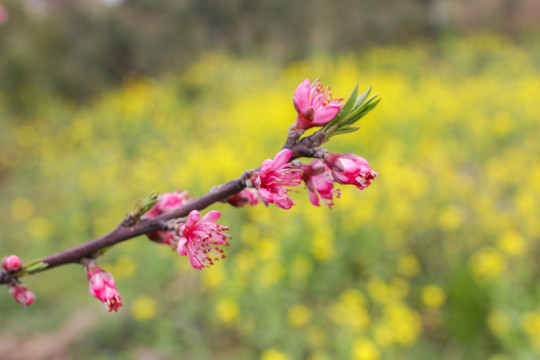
166	202
21	294
11	263
320	183
350	169
102	287
244	197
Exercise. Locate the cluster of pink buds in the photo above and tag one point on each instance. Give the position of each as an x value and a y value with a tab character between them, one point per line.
12	265
101	285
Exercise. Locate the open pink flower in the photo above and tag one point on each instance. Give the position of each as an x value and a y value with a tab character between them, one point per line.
11	263
166	202
244	197
273	177
314	105
200	238
350	169
21	294
101	285
320	183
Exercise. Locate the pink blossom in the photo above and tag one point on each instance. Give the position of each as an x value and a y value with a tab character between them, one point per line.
21	294
166	202
273	177
244	197
350	169
314	105
11	263
319	181
102	287
200	238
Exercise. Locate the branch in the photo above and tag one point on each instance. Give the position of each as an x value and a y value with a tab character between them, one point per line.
306	147
199	237
122	233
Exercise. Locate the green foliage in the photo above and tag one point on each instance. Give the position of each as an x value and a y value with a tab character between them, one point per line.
355	108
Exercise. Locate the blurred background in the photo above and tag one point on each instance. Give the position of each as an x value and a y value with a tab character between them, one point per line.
102	102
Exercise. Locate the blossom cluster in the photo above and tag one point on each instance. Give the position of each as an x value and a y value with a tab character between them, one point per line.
277	175
200	237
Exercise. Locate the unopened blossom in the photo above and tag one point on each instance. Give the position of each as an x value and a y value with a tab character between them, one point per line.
200	238
314	105
11	263
273	178
102	287
319	182
166	202
244	197
21	294
350	169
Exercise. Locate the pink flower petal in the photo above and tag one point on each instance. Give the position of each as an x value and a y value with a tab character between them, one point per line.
281	158
301	96
313	198
325	114
211	216
182	247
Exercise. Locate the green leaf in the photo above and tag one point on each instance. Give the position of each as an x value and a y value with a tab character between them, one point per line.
361	112
345	130
360	100
147	203
35	267
345	109
32	262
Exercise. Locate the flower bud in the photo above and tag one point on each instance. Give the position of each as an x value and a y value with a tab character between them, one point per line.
244	197
21	294
11	263
319	182
102	287
166	202
350	169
